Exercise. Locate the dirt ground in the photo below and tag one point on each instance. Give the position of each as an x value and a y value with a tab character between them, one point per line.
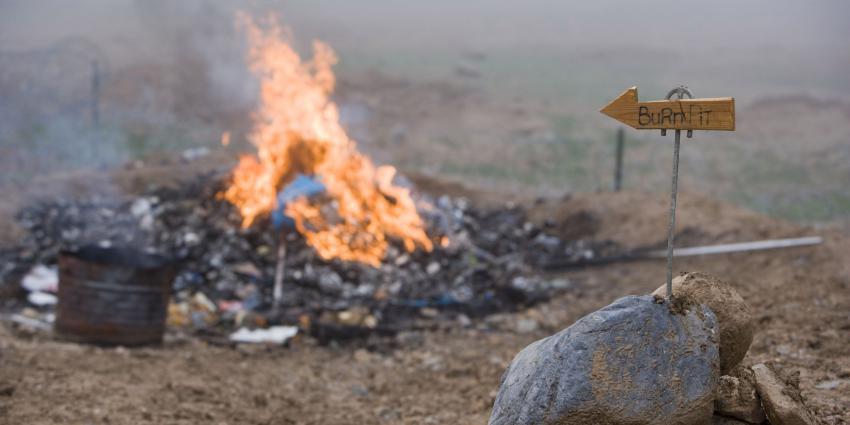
800	299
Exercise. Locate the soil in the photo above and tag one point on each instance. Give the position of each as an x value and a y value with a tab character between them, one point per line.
799	298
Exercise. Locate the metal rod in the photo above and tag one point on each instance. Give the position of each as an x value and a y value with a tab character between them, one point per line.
643	254
95	93
618	170
672	227
277	291
739	247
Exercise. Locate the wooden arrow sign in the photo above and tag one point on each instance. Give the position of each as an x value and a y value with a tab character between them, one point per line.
685	114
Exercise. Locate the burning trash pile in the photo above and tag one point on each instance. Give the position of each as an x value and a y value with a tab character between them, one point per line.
308	231
226	271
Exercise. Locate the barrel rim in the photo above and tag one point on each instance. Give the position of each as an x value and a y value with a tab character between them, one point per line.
118	256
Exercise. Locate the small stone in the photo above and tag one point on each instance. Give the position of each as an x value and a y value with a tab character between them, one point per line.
409	338
362	356
260	400
433	268
359	390
432	362
782	403
7	390
525	326
829	385
737	397
783	349
330	282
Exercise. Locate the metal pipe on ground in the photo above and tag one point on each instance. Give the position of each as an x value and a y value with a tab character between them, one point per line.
645	254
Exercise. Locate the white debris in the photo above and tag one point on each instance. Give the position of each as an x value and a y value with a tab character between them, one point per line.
274	334
41	279
146	223
41	298
203	301
191	238
829	385
140	207
192	154
30	323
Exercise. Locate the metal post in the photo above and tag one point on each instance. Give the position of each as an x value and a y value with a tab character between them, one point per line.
95	93
277	290
672	227
680	92
618	170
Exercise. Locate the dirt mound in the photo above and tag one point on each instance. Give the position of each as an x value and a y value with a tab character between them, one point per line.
733	314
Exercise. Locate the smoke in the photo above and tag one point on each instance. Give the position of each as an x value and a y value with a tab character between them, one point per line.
98	82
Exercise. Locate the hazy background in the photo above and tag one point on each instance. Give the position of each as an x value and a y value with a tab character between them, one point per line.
495	93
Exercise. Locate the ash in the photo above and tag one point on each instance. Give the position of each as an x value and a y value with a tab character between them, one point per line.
490	265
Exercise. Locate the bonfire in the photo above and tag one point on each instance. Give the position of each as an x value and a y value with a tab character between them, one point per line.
297	132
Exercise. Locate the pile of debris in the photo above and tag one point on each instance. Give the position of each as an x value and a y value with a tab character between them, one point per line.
484	261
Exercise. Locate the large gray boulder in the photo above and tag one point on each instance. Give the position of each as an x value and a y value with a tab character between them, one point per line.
631	363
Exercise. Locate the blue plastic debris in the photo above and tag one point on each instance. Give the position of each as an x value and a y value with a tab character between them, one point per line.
301	186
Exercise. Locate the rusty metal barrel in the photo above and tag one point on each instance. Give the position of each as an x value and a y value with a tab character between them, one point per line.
113	296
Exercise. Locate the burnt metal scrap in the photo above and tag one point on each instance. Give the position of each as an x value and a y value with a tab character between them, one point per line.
491	263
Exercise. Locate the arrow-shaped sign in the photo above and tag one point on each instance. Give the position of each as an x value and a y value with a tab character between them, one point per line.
679	114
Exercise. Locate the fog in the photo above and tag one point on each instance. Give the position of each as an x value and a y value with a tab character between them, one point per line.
811	38
171	75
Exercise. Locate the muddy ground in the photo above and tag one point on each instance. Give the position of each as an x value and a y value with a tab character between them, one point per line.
800	297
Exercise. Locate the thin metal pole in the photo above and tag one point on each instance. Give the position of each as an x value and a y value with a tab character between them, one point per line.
618	170
672	227
95	93
277	290
738	247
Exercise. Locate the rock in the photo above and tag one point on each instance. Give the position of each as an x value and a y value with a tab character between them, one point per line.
525	326
723	420
737	397
782	403
7	390
733	313
632	362
829	385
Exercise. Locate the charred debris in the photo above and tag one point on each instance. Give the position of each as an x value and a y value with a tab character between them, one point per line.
491	263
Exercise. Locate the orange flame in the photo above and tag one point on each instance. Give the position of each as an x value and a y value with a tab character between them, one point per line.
297	130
